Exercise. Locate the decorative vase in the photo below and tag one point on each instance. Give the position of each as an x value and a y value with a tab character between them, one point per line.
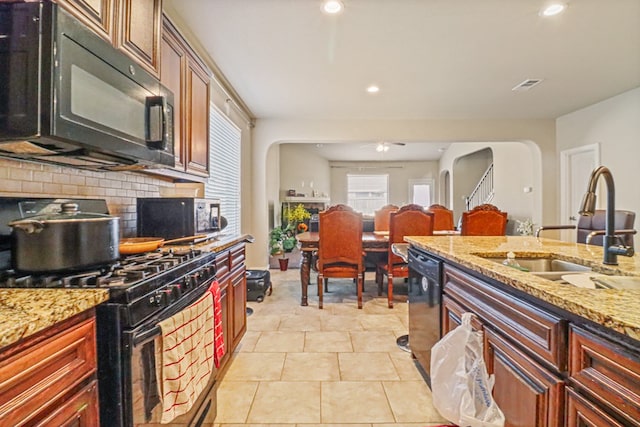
284	263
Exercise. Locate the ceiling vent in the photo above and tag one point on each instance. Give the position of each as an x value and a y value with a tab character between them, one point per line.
526	85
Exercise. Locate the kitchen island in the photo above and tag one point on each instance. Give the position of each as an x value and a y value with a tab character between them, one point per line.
561	354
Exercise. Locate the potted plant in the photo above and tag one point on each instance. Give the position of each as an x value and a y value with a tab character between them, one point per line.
297	216
282	240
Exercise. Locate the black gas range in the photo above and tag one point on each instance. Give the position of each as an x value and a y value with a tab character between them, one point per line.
144	289
143	284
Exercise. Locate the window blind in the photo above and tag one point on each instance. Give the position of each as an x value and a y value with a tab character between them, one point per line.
224	167
367	193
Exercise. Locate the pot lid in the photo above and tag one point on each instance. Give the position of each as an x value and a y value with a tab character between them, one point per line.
69	212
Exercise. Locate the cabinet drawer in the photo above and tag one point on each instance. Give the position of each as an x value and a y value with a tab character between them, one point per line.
539	332
452	316
581	412
33	379
237	256
222	265
607	372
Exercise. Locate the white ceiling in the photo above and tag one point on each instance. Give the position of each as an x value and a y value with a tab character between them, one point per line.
433	59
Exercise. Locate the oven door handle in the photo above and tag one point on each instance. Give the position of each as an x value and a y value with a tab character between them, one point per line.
151	329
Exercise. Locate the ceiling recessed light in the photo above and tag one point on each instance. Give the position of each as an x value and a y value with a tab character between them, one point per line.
332	6
373	89
382	147
553	9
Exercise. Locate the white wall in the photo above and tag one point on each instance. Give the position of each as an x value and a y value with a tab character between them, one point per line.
540	133
301	168
614	124
516	165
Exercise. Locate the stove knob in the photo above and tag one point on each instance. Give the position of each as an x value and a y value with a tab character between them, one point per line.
156	299
187	282
168	295
195	278
210	271
176	291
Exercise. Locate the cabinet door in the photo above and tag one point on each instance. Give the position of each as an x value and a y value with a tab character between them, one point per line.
582	413
198	122
33	380
96	14
527	393
81	410
239	283
172	66
139	31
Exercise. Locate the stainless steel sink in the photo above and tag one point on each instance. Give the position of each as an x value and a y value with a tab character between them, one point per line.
549	268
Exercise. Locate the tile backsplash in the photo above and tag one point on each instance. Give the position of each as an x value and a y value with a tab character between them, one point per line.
119	189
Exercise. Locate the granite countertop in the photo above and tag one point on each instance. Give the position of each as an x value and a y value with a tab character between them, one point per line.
24	312
216	244
613	308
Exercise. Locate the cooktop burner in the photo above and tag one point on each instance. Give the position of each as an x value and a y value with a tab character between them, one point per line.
127	272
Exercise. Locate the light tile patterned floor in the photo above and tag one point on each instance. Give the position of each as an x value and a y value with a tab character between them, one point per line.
340	366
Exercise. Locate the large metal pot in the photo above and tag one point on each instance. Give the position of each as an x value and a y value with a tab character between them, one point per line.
68	240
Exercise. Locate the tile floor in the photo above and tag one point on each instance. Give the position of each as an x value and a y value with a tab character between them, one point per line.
301	366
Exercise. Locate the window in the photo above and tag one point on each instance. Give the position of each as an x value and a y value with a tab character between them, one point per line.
367	193
421	191
224	167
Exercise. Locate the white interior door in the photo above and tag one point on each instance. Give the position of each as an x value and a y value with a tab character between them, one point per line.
576	165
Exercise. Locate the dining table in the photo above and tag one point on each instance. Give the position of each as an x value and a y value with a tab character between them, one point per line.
310	241
372	241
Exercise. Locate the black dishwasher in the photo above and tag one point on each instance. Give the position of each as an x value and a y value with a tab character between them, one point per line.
425	297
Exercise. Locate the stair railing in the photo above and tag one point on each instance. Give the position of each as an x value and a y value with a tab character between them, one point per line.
484	191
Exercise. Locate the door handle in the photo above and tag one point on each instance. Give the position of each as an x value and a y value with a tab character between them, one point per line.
572	218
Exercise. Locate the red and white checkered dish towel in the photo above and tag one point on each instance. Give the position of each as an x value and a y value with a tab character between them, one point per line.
217	324
186	358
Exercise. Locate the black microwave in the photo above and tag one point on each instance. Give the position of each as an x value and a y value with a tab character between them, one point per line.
69	97
174	217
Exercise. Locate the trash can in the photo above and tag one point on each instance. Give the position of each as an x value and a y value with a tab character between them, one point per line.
258	285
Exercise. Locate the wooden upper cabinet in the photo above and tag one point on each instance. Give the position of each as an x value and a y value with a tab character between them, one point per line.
139	31
198	139
96	14
133	26
182	71
173	58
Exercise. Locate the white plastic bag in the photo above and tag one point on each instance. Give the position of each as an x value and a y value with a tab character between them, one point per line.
460	384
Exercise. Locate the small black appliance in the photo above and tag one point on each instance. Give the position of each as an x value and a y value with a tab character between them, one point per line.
175	217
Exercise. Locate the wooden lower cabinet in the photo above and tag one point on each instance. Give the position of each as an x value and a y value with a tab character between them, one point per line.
608	373
583	413
49	379
527	393
239	286
231	274
80	410
549	371
452	316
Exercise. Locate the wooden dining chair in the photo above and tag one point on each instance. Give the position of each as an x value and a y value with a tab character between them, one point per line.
340	248
409	220
381	217
484	220
442	217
